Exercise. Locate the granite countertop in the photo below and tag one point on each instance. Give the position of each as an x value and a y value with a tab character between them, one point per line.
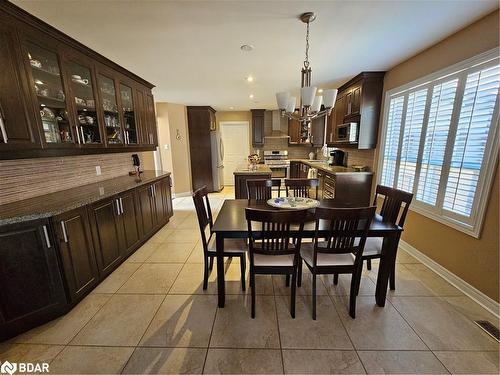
332	169
261	169
65	200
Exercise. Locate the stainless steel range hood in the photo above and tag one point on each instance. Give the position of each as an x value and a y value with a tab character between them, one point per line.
279	127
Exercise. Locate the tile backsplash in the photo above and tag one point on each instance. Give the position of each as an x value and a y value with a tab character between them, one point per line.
27	178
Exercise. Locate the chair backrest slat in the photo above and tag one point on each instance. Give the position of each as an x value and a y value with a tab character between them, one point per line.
301	187
274	237
395	204
204	213
346	229
260	189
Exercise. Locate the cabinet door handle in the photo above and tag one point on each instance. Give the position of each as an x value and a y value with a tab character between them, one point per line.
127	139
3	131
121	205
83	137
117	202
46	234
65	235
77	135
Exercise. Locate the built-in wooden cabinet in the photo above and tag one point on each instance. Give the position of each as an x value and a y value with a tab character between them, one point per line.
293	131
58	97
32	289
76	250
318	131
257	127
358	101
48	265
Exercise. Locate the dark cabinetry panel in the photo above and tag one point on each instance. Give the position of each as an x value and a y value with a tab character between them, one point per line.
240	183
31	289
106	231
200	122
53	102
17	123
146	208
258	127
358	101
77	252
130	236
318	131
293	131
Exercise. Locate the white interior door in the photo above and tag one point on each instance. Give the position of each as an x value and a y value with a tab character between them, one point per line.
236	148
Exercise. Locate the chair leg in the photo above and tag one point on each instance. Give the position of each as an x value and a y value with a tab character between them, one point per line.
392	278
314	296
252	283
206	272
369	264
335	278
299	274
243	267
211	266
355	281
294	291
287	280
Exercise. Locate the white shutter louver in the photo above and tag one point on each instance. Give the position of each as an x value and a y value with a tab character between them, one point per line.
411	139
438	126
476	113
392	141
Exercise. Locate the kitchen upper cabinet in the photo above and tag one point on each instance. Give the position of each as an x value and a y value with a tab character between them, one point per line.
58	97
358	101
318	131
107	234
17	124
258	127
293	131
83	96
77	252
28	298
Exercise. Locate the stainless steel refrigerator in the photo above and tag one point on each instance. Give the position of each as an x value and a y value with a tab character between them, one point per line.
217	147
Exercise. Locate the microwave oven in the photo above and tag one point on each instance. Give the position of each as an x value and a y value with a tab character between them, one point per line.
347	132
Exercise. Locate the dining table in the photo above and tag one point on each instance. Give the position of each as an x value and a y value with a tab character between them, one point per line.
231	223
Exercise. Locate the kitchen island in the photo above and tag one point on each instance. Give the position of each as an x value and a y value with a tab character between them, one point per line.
244	173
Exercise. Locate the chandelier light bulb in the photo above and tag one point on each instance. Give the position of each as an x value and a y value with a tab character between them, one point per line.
292	101
316	106
282	99
329	97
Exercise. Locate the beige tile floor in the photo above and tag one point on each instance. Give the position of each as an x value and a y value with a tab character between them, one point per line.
152	316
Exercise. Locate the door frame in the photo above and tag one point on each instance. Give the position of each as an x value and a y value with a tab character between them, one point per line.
233	123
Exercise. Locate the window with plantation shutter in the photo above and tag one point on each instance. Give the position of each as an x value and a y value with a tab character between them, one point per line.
439	141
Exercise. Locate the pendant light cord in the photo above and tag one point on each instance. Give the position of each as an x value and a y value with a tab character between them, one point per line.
306	61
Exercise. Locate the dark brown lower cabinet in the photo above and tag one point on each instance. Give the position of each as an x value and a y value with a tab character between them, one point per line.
128	222
240	183
31	285
146	208
155	204
107	234
77	252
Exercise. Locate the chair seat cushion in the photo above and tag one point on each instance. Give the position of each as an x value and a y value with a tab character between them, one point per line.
324	259
373	246
262	260
231	245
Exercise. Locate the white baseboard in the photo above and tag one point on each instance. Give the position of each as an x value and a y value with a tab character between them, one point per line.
181	195
481	298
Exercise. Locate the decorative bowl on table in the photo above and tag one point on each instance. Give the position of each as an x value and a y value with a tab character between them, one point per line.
293	203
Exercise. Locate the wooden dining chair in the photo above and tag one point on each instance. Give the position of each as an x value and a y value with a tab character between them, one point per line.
340	251
233	247
261	189
272	249
301	187
395	205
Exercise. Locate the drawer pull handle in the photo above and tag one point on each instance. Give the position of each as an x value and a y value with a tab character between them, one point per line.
46	234
121	205
117	202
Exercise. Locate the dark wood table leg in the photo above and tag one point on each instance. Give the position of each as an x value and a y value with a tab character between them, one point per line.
387	261
221	289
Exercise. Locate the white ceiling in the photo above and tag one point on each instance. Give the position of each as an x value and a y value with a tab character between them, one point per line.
191	49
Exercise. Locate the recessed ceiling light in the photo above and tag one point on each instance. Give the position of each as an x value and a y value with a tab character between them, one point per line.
246	47
249	79
320	91
231	107
251	96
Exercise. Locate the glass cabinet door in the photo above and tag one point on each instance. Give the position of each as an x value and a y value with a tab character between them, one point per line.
110	109
87	123
49	91
127	103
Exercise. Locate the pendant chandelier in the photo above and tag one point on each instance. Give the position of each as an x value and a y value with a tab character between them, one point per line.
310	103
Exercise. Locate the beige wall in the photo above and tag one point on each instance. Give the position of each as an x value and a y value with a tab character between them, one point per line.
474	260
